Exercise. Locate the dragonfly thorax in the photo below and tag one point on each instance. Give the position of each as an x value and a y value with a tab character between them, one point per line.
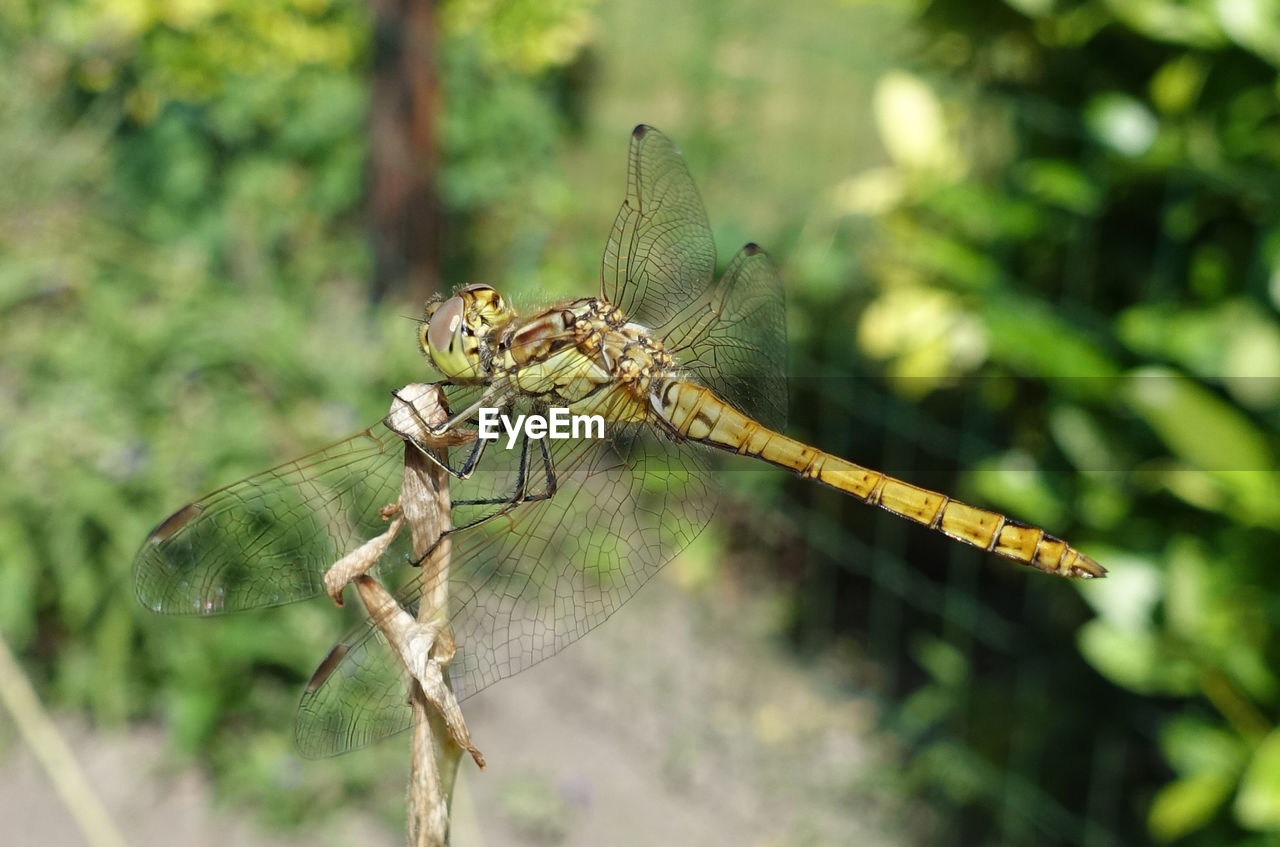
456	332
581	354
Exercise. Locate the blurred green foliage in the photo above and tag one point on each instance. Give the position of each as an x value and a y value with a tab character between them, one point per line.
1118	161
183	301
1068	242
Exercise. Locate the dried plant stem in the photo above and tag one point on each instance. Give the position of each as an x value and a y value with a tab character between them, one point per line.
435	753
425	645
432	775
54	755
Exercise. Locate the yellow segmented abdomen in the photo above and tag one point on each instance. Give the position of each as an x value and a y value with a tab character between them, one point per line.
697	413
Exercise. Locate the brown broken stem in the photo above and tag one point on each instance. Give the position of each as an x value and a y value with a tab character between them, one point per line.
425	645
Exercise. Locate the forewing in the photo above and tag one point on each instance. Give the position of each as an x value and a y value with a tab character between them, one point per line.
267	540
658	266
660	254
525	585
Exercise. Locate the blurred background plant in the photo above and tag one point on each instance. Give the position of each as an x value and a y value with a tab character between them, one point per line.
1053	226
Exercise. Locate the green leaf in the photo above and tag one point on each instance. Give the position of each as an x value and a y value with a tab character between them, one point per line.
1059	183
1194	423
1136	660
1258	801
1210	434
1177	84
1187	804
1235	343
1030	337
942	661
1186	576
1194	747
1173	22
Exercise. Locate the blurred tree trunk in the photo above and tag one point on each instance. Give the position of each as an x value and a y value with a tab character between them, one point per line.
403	203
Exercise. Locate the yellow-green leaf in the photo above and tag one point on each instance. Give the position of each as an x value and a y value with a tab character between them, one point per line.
1258	802
1187	804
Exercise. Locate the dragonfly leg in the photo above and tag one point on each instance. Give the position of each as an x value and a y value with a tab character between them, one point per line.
473	458
468	466
548	473
407	421
488	398
521	492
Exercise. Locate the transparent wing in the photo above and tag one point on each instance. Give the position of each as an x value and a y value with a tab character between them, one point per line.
623	508
525	585
657	267
267	540
734	339
660	255
357	695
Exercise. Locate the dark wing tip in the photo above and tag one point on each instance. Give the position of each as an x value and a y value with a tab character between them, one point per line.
641	131
751	248
175	522
327	666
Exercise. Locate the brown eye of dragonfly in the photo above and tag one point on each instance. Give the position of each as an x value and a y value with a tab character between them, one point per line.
443	324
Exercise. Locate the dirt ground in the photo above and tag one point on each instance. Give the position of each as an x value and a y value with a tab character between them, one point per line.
680	721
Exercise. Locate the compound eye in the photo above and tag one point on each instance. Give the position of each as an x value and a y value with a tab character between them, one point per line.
444	324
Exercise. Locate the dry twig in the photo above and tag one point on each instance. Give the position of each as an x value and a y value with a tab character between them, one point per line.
425	645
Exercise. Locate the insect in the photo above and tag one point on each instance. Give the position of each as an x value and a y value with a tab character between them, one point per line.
550	535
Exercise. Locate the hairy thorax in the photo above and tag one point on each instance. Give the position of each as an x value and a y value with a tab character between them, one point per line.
584	355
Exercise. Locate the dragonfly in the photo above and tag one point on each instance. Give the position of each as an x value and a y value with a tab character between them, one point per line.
549	536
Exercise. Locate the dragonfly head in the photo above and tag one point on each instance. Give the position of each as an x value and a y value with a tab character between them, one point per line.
454	333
